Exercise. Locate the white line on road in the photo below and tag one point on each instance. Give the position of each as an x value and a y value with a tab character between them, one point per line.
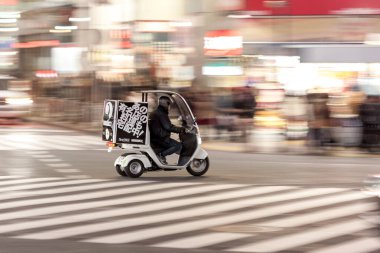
10	177
37	152
43	156
67	170
27	180
199	241
232	193
143	234
362	245
8	143
129	188
51	160
307	236
35	130
77	176
58	165
317	216
44	185
100	185
125	200
316	163
42	142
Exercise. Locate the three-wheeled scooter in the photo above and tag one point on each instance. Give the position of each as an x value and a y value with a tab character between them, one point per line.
126	125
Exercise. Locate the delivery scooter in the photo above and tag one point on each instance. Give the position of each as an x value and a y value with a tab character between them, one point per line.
125	125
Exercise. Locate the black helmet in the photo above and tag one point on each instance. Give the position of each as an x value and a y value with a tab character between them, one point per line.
164	101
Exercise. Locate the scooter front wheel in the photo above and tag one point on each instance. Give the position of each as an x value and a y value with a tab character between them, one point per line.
198	167
134	169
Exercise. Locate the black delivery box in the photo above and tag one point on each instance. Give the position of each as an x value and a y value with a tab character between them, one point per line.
125	122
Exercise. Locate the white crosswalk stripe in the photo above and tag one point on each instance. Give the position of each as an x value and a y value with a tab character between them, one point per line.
187	215
217	221
200	241
231	194
40	142
361	245
309	236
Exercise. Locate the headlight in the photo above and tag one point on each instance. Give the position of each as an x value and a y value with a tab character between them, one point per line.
19	101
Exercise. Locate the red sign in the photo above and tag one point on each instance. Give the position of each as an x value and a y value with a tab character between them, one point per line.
8	2
38	43
223	43
122	38
46	73
312	7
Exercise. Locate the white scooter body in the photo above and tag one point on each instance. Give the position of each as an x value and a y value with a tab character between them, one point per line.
146	155
142	152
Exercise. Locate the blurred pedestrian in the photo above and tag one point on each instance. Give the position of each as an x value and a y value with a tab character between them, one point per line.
318	118
369	113
244	103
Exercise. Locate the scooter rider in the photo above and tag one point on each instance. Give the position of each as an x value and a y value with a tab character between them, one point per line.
160	129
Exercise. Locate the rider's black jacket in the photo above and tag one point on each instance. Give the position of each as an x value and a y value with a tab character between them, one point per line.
160	126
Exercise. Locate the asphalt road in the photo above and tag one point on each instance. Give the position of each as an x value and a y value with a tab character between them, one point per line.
28	148
238	206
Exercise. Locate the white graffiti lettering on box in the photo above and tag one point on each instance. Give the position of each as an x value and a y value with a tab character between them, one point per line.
132	118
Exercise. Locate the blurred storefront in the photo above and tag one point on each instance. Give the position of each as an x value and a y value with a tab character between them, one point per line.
9	16
78	53
293	48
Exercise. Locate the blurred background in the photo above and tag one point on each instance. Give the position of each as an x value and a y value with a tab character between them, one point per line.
270	74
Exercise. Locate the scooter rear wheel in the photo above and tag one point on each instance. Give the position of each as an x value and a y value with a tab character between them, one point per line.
134	169
120	171
198	167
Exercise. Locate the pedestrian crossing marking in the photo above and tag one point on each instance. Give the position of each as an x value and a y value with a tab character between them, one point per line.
200	241
10	177
51	160
46	143
44	156
317	216
27	180
77	176
361	245
181	227
305	237
185	214
60	165
92	195
66	170
231	194
150	219
18	187
13	130
123	200
37	152
39	142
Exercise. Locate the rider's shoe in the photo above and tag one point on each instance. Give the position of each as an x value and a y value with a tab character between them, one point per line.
162	159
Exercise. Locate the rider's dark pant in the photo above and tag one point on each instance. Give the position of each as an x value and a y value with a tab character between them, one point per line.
170	146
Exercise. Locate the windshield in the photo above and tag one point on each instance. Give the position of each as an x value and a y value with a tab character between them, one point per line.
178	108
184	110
